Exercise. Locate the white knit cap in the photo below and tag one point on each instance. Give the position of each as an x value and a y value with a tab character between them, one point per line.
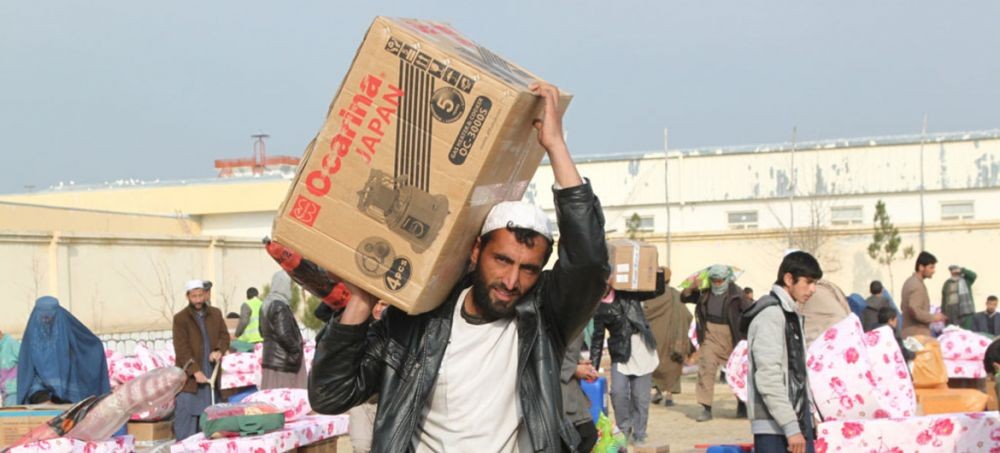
193	284
518	214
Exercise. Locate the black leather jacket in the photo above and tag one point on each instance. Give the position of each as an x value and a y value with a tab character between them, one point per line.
399	356
622	318
282	338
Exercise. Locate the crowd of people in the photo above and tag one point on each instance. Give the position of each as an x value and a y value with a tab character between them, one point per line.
498	366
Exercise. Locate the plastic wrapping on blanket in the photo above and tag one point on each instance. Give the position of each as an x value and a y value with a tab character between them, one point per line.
98	418
929	370
144	393
241	419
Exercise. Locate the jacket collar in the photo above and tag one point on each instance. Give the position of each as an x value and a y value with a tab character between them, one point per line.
787	303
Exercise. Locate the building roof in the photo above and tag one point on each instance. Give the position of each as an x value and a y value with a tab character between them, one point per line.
265	193
197	197
840	143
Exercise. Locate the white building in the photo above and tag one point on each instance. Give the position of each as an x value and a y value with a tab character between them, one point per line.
728	205
736	205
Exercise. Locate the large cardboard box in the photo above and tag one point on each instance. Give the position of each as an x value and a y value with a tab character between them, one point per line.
148	434
633	265
428	131
16	421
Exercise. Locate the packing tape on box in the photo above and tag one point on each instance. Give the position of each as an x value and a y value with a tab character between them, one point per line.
635	265
490	194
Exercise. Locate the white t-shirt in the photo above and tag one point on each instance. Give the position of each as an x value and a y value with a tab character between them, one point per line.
474	405
643	359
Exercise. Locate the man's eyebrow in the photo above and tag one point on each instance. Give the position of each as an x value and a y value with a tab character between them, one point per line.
502	257
532	267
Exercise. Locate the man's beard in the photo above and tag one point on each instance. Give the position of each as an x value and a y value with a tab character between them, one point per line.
489	309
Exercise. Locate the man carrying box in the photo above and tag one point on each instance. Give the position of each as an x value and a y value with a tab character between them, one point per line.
480	372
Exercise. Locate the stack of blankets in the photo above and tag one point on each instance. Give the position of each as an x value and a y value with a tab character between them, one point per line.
240	369
861	389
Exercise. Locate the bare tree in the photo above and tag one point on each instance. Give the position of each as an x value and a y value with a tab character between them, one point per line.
36	276
815	237
162	297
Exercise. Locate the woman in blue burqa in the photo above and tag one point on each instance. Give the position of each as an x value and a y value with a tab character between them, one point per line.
61	360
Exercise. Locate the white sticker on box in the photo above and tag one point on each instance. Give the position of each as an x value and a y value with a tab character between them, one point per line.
622	278
488	194
622	267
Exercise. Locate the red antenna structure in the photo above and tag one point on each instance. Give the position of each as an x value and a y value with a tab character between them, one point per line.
256	165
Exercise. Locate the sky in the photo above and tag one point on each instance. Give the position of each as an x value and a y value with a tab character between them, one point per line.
94	91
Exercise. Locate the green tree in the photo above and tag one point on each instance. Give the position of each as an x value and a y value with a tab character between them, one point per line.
306	316
293	302
632	226
885	246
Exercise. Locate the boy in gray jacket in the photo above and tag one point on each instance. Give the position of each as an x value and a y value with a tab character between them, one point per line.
778	390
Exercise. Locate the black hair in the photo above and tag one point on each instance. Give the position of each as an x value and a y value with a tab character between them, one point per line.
875	287
252	292
924	259
524	236
232	315
992	356
886	314
747	290
799	264
991	297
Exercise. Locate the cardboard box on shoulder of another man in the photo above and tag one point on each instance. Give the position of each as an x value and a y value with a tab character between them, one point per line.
427	132
633	265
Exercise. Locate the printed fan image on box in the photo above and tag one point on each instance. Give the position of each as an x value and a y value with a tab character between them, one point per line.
413	214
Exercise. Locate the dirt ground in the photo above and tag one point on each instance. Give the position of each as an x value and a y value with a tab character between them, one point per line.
676	425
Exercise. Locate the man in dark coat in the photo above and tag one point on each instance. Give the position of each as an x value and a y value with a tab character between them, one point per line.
200	337
988	321
282	364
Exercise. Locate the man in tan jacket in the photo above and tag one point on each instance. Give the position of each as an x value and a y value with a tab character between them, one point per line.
916	304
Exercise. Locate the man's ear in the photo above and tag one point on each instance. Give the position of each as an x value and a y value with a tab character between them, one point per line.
476	249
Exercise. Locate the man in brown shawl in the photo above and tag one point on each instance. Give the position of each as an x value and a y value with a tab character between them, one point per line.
669	319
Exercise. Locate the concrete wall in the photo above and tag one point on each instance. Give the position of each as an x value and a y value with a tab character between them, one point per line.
124	283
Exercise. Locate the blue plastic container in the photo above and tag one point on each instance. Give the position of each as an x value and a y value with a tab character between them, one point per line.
243	394
725	449
595	392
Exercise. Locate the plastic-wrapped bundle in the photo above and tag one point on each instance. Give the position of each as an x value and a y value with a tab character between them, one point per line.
145	393
295	402
98	418
241	419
